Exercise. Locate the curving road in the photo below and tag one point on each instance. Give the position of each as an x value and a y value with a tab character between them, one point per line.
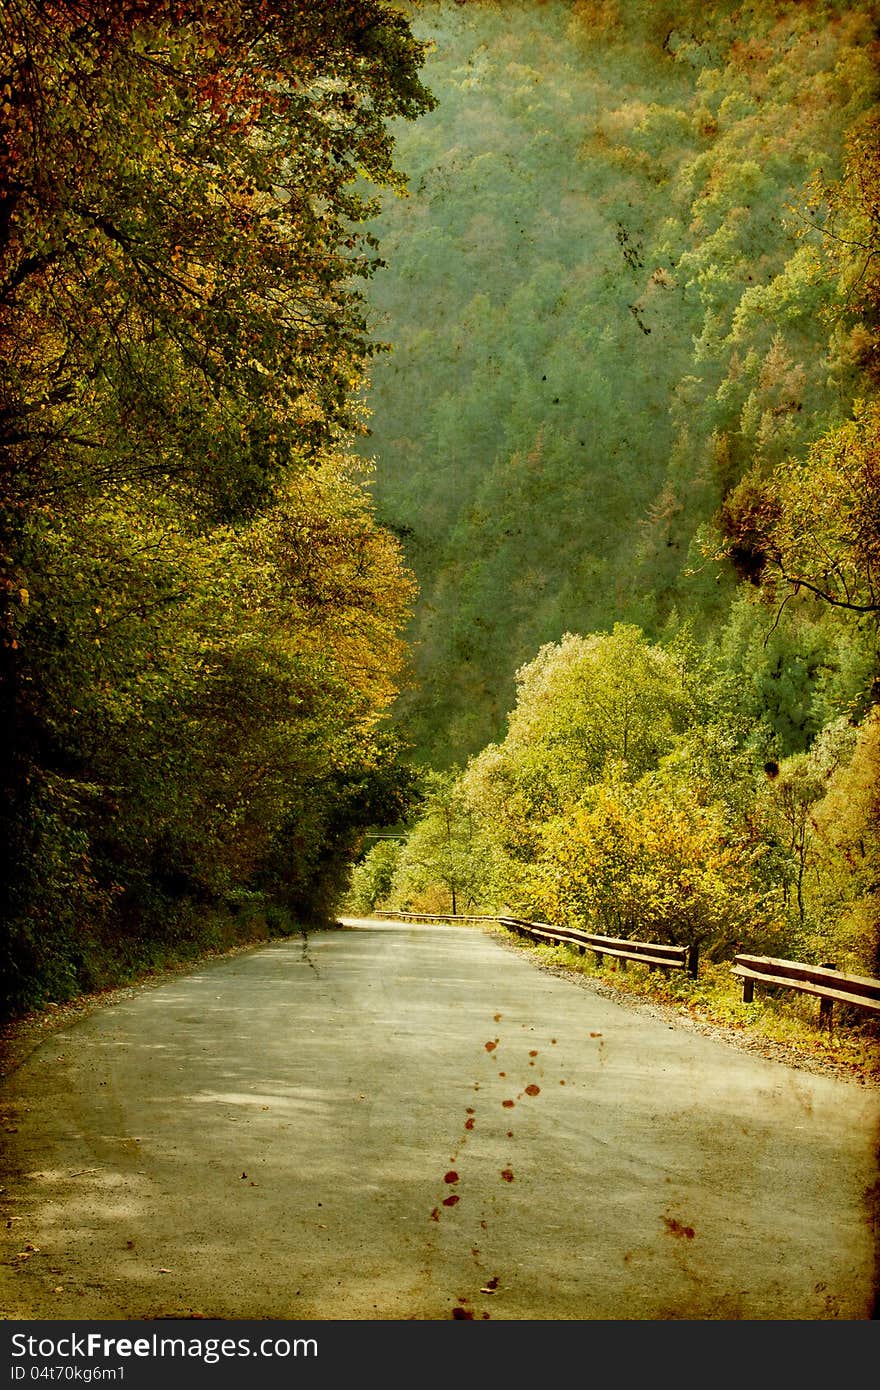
396	1122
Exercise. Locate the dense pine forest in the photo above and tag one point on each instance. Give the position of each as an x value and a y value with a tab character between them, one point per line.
629	440
439	469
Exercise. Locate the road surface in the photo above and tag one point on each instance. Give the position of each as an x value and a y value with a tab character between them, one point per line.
386	1121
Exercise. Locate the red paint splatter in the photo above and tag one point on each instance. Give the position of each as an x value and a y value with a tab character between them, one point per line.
469	1110
595	1035
508	1104
463	1313
553	1040
451	1176
533	1090
507	1174
497	1017
502	1073
451	1201
435	1214
675	1228
491	1046
510	1134
534	1052
469	1123
491	1284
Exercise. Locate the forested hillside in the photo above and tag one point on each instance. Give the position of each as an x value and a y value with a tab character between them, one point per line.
201	620
629	438
617	288
616	486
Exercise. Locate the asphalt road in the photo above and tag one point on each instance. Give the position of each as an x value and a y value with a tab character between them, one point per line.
397	1122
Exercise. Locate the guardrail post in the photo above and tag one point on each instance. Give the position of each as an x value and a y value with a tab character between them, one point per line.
693	961
748	991
826	1006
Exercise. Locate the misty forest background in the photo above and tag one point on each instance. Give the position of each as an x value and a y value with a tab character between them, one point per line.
566	605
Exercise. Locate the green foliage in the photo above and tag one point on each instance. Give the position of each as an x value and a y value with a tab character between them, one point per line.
698	837
813	526
446	862
652	408
634	302
587	704
620	285
787	676
200	618
841	895
372	877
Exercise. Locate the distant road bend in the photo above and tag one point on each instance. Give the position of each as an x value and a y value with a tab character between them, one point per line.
388	1121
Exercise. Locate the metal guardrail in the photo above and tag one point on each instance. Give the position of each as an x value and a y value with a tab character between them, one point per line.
394	916
826	981
651	953
654	954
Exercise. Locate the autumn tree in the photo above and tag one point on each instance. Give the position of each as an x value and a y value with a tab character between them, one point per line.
586	703
648	861
813	527
444	864
200	616
372	876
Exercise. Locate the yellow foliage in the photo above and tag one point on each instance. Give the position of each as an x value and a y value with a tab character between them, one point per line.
846	823
642	861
